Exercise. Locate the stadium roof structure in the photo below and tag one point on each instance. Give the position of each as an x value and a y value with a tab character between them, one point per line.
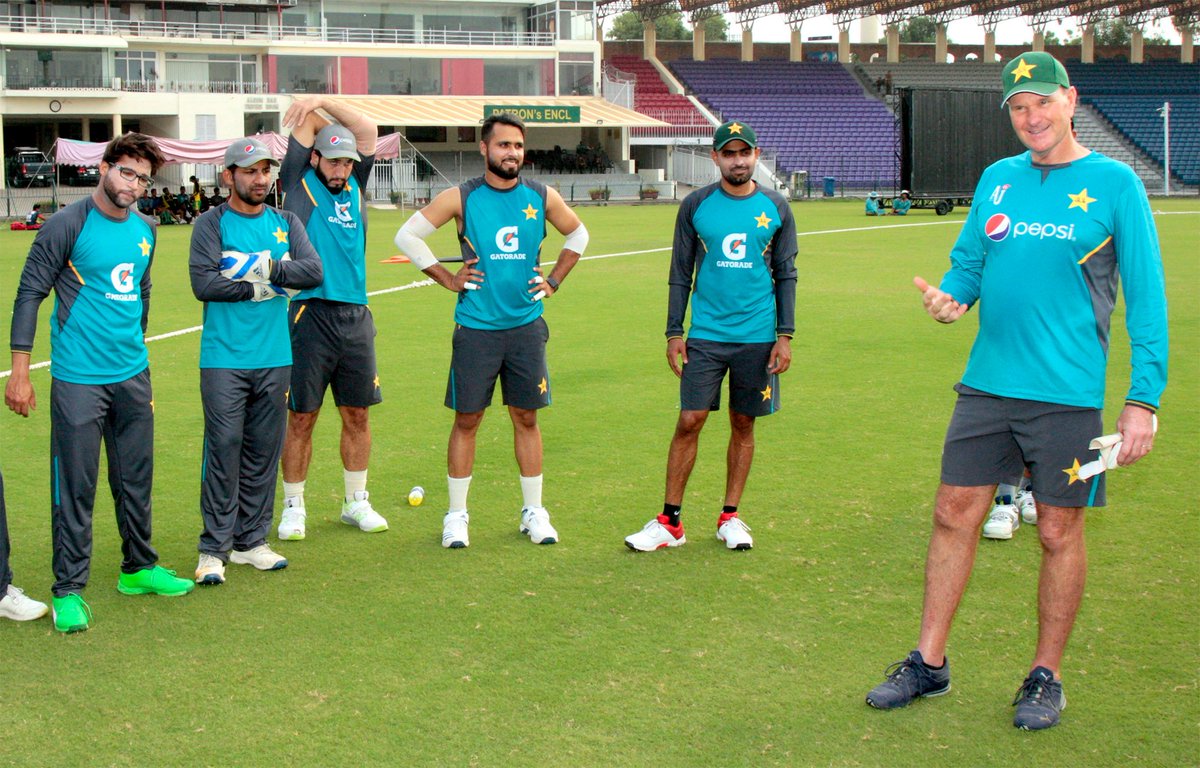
1184	13
463	111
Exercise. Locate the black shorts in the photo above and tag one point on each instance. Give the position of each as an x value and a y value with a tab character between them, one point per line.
516	355
753	390
333	345
993	439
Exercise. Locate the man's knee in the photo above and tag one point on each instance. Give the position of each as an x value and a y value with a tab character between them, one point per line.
961	507
741	424
354	419
1059	527
302	424
523	418
467	422
690	422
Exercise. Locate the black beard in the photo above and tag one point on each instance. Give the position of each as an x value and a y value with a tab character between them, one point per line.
730	179
500	171
332	189
113	195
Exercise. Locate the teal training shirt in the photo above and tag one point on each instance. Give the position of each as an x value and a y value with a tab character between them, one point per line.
99	268
336	224
238	332
504	228
1042	251
738	256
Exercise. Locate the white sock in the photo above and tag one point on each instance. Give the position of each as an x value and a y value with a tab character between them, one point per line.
458	492
531	490
356	483
293	494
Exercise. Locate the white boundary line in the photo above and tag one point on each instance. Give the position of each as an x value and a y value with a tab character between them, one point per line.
426	283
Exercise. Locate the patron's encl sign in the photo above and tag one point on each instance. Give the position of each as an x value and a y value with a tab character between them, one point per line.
535	114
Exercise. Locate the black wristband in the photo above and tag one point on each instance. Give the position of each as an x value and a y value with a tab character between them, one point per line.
550	281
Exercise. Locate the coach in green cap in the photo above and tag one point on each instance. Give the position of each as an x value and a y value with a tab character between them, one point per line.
1051	234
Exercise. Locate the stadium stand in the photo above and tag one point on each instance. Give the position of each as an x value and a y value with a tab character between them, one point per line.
813	115
1129	96
652	97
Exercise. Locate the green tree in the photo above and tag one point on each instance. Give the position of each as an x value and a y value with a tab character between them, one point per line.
628	26
716	28
920	29
1051	38
1117	32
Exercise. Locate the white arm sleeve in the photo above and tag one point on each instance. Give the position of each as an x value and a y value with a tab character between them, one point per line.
577	240
411	241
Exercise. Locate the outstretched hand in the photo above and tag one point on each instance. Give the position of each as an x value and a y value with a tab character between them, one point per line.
940	305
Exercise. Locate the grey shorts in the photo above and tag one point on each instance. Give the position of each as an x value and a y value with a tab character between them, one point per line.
333	345
994	438
517	356
753	391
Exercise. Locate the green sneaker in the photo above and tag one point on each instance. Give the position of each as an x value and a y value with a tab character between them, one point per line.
154	581
71	614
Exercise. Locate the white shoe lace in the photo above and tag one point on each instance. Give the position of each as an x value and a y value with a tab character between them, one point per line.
736	522
1003	513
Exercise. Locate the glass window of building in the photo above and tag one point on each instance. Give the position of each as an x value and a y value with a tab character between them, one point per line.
403	77
306	74
213	72
576	73
54	68
138	70
516	78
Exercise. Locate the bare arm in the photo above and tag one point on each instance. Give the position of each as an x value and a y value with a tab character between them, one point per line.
565	221
304	120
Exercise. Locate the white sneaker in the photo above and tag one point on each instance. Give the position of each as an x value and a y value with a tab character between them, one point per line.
291	523
261	557
535	521
210	570
360	513
656	534
1002	521
454	530
1028	507
735	534
16	606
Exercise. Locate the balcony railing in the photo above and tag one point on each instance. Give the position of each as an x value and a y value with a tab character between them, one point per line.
271	32
74	83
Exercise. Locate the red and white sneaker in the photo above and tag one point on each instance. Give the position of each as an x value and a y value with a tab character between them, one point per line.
656	534
735	533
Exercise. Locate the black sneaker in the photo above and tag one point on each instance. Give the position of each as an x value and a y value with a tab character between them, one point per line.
1039	701
909	679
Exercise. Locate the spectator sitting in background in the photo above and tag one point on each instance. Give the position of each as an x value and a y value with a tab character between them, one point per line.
873	208
901	204
34	219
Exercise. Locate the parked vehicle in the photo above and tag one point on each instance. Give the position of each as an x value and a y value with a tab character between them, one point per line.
29	167
78	175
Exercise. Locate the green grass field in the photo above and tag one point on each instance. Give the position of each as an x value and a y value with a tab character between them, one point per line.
389	650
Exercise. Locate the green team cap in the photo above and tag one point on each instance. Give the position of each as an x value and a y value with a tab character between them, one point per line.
1034	72
734	129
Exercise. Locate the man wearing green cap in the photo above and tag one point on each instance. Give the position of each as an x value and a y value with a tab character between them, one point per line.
1050	235
735	257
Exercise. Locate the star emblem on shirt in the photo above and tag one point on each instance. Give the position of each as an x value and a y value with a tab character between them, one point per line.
1023	69
1080	200
763	220
766	393
530	212
1072	473
280	235
145	246
542	386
